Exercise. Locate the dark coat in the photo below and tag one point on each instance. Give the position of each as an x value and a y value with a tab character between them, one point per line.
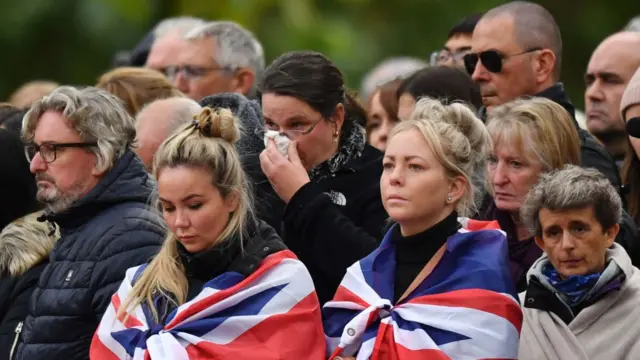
103	234
337	221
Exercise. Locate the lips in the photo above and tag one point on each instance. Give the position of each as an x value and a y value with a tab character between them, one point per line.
572	262
396	198
596	114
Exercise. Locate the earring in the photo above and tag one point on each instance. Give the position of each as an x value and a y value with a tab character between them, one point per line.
449	198
335	136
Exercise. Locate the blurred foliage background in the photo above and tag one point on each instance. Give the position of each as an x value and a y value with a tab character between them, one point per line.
74	41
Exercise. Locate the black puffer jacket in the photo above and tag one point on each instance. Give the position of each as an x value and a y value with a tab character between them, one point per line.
102	235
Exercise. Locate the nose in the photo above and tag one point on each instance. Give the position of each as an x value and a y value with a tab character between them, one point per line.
499	174
181	219
480	74
181	82
37	164
568	242
396	177
594	92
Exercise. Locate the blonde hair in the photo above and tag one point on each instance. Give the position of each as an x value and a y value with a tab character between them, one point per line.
458	139
137	87
539	128
31	92
207	142
24	243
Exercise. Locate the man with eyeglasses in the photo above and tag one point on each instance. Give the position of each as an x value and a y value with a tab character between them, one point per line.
96	190
458	43
516	52
215	57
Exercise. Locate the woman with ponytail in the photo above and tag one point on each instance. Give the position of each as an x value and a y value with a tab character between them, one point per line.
223	286
325	175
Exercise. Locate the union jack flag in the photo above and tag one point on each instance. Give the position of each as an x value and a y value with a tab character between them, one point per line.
466	308
273	313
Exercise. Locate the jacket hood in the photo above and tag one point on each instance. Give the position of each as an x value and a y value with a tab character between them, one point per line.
126	181
251	143
24	243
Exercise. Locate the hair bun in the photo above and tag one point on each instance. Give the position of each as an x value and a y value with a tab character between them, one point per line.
218	123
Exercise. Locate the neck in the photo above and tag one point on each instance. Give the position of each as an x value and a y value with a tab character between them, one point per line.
521	230
615	142
413	228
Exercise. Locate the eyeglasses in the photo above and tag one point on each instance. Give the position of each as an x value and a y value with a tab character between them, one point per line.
190	72
443	55
291	134
48	151
491	59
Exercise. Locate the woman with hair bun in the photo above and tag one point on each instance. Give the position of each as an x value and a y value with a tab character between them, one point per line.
438	287
223	285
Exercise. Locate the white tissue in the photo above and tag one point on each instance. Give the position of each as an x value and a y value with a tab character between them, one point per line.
282	142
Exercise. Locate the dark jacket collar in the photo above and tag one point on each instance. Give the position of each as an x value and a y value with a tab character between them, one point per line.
555	93
232	255
421	247
126	181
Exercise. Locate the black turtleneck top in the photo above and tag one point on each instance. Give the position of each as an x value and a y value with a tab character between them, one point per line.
206	265
414	252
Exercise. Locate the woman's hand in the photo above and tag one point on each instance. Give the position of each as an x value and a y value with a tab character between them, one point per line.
286	176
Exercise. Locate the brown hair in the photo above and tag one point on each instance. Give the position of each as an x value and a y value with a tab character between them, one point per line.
31	92
388	98
631	178
137	87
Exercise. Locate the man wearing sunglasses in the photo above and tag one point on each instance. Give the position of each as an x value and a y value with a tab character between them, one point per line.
516	52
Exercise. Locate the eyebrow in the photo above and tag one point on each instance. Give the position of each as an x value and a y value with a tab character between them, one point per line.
410	157
186	198
292	118
603	74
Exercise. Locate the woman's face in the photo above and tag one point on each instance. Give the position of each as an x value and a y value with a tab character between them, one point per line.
379	123
512	174
414	185
192	207
291	115
634	111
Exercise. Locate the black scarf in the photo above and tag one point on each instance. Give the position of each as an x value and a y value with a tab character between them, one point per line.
351	145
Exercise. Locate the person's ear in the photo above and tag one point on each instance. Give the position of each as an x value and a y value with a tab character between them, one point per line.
544	65
611	233
539	241
338	118
457	188
96	171
244	80
232	201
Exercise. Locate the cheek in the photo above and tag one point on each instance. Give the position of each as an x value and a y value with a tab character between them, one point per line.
523	182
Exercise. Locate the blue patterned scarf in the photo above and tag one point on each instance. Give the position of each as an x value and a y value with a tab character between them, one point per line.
574	288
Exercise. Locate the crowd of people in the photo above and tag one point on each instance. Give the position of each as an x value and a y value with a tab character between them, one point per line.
196	203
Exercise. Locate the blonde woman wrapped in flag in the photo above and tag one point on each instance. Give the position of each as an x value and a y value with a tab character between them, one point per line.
223	285
438	286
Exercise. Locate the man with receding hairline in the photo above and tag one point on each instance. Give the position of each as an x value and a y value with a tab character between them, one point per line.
610	68
516	50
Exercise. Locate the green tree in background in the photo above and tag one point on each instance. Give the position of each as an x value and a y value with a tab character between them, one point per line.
74	41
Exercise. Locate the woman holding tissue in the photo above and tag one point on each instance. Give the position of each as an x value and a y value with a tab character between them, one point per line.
317	161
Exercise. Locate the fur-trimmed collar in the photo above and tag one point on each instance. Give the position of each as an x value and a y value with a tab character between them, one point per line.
24	243
351	145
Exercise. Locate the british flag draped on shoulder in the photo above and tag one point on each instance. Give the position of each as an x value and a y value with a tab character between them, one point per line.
466	308
273	313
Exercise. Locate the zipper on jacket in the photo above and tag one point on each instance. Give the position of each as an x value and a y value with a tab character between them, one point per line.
15	340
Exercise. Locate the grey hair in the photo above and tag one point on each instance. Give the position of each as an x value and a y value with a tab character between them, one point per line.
94	113
633	25
182	111
458	139
181	24
235	47
389	70
569	188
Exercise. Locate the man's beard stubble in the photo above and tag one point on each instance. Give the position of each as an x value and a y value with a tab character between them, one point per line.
54	200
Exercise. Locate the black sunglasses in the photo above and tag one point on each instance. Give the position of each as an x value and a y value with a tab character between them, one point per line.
491	60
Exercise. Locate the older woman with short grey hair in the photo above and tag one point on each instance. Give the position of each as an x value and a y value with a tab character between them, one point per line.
583	292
